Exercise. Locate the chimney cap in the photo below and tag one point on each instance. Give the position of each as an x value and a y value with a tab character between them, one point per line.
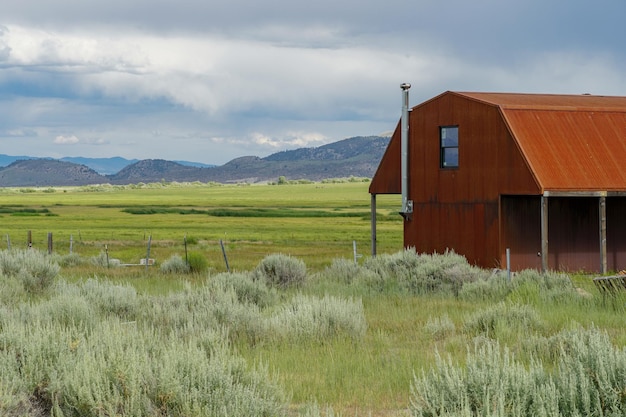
405	86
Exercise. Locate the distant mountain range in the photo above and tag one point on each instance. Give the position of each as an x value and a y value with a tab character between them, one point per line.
358	157
103	166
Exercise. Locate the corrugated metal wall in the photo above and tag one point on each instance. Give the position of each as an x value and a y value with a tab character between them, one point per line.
521	231
458	208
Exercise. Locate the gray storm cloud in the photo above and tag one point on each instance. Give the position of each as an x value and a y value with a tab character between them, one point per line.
246	77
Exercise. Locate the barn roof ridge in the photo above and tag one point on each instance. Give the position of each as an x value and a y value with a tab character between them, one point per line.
548	101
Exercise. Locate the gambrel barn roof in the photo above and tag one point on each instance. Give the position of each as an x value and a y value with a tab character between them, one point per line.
569	143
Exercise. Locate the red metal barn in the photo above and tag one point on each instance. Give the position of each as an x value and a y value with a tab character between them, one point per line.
541	175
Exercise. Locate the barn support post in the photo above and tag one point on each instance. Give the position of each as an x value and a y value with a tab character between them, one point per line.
544	233
602	218
373	216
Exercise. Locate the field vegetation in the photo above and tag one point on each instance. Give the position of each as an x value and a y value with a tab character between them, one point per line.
296	328
315	222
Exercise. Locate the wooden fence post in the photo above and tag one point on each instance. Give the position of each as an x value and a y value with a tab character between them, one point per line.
148	254
224	254
186	255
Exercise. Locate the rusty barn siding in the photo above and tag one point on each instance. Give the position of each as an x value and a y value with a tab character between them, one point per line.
387	179
459	208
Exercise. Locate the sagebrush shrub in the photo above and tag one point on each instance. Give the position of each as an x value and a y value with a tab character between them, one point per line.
247	289
494	288
104	261
525	287
307	318
12	292
174	265
440	327
69	260
532	287
281	271
108	298
343	270
64	357
33	268
493	383
586	378
503	318
414	273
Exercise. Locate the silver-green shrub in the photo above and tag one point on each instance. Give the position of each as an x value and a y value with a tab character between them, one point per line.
96	349
65	309
280	270
247	289
493	383
12	292
532	287
313	319
525	287
69	260
107	298
34	269
440	327
103	260
343	270
415	273
61	357
591	374
174	265
493	288
205	306
586	378
10	262
503	318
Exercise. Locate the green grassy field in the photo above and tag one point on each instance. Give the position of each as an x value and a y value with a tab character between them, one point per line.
317	223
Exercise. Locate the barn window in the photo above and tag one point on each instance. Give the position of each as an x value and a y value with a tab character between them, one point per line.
449	136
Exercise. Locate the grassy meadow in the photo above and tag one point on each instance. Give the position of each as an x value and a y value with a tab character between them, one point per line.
316	222
297	329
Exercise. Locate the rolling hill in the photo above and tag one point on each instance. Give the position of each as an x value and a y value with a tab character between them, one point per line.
358	157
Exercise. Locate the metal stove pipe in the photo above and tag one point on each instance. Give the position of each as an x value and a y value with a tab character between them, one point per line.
407	205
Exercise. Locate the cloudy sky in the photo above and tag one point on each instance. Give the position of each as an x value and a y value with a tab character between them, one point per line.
212	80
